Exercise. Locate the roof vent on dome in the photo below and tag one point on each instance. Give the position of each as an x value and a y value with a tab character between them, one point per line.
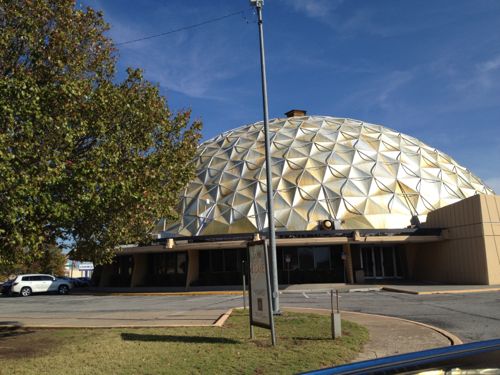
295	113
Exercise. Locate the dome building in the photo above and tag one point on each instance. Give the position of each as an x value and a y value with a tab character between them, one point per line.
354	202
353	173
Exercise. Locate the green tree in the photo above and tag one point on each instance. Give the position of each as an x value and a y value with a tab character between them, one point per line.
52	261
82	157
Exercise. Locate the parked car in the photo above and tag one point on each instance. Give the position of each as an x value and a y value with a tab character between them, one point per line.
6	286
84	281
25	285
480	357
76	282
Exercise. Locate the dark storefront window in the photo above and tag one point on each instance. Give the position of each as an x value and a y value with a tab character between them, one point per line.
168	269
231	261
299	264
306	258
313	264
204	261
380	261
322	259
221	267
122	269
290	258
181	263
217	260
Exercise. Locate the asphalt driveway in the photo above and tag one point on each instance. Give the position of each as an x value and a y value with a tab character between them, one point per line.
471	317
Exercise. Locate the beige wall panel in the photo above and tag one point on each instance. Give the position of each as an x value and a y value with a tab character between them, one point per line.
476	201
455	261
488	229
497	203
468	212
495	229
493	258
485	215
491	204
477	230
461	214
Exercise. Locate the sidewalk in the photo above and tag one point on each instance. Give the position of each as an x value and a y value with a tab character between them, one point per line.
221	290
391	336
439	289
410	288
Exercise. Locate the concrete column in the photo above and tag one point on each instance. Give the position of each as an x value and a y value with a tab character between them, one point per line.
348	263
140	271
193	269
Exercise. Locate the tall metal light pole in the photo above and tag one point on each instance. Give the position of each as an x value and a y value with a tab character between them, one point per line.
269	182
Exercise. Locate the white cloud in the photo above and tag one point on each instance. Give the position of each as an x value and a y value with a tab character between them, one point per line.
362	20
194	63
320	9
380	92
489	65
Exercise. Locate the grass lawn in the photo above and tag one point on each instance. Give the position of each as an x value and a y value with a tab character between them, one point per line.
304	343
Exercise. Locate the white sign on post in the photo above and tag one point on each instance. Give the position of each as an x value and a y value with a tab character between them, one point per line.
260	288
86	266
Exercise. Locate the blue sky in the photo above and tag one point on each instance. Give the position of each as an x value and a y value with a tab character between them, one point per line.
430	69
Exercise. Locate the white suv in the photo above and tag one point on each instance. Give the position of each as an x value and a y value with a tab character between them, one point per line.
25	285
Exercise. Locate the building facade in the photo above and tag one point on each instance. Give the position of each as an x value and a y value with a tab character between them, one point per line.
354	202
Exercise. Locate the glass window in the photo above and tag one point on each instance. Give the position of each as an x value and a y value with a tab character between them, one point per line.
217	260
171	264
388	253
306	258
322	258
27	278
181	263
46	278
367	254
231	260
290	259
204	261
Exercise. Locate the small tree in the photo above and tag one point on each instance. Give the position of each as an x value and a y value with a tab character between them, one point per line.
52	262
82	157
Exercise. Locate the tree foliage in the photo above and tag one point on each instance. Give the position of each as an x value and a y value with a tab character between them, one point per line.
83	157
52	261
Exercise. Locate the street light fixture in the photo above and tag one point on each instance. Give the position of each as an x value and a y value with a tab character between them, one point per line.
269	182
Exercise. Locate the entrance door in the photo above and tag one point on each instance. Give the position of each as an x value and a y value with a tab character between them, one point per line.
379	262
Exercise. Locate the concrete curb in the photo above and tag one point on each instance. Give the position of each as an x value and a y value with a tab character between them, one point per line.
207	293
223	318
341	290
454	340
456	291
104	327
219	322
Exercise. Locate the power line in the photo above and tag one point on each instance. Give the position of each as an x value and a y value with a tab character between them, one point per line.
212	20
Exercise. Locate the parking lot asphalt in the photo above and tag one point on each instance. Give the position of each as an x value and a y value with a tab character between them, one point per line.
471	317
110	311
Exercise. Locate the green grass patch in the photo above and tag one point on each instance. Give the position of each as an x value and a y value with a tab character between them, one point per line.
304	343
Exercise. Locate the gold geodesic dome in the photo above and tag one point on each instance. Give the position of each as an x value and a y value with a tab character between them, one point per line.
364	175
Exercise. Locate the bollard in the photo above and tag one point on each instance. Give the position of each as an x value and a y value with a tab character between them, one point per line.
244	293
335	316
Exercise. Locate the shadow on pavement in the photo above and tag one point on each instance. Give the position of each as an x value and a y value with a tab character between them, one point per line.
174	338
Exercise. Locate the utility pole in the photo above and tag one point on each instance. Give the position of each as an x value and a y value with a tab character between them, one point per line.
269	182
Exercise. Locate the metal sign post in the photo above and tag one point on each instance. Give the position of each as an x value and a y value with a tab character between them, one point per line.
259	286
244	286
